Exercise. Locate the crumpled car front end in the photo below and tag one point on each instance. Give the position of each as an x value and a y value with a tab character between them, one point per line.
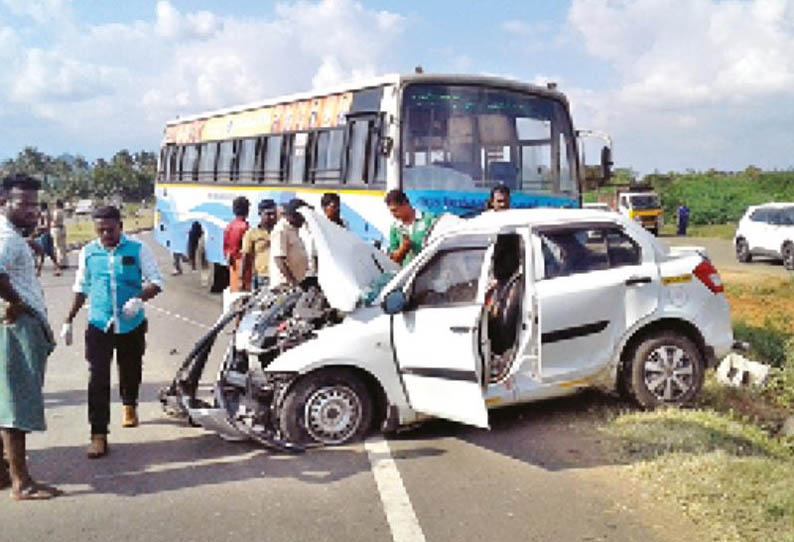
246	395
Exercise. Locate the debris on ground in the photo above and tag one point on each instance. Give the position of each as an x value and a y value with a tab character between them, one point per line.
739	372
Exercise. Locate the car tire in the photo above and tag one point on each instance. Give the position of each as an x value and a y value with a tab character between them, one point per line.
788	256
328	407
666	370
743	251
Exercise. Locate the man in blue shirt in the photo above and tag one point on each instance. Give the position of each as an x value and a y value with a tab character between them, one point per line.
116	274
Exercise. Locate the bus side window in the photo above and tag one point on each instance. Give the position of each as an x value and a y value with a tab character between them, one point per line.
176	162
380	159
273	162
190	163
224	161
357	152
246	159
168	162
259	161
326	166
206	166
297	166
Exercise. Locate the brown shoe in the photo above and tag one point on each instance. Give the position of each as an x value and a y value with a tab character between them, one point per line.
129	416
98	447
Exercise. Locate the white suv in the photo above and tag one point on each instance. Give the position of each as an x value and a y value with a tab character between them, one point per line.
766	230
500	309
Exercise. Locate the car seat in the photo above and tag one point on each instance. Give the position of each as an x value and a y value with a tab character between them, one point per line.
505	302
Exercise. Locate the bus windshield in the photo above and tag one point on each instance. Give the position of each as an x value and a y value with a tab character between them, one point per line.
471	138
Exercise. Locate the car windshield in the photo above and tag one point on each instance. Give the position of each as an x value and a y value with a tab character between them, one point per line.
468	138
645	201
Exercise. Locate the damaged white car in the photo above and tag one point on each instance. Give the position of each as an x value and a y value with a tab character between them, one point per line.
500	309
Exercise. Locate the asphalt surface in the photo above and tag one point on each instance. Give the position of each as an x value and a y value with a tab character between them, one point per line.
536	475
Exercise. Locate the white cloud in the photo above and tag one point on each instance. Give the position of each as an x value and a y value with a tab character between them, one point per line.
171	24
42	11
699	83
691	52
88	80
47	76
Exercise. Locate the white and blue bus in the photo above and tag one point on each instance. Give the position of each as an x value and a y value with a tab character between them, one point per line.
445	140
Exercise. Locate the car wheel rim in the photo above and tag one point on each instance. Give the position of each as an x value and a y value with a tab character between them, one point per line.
333	414
741	249
669	373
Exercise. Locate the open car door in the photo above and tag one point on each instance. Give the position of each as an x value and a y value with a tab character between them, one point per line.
436	335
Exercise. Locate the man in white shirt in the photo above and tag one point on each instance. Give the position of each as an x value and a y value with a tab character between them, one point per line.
25	338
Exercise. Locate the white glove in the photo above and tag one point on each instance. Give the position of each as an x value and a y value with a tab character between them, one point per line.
66	334
132	307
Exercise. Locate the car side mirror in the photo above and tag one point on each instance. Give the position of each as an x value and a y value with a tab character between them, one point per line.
394	302
606	163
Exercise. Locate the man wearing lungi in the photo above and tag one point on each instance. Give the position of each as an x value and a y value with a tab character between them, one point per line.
25	337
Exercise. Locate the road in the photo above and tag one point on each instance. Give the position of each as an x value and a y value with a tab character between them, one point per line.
538	474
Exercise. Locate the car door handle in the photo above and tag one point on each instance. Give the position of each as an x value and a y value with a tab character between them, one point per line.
637	280
459	329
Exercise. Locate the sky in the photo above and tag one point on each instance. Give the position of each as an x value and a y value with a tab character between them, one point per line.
678	84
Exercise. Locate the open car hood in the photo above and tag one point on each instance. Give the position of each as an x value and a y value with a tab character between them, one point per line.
346	265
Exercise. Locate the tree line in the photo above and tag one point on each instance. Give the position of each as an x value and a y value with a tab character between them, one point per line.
128	175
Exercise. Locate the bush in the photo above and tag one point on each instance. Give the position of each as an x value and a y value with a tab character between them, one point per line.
717	197
769	342
780	382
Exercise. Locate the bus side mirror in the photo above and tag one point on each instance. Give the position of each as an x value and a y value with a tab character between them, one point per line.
385	145
394	302
606	163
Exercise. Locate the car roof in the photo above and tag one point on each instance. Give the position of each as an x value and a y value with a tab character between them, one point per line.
492	220
772	205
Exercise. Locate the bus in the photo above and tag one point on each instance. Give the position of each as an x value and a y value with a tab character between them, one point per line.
446	140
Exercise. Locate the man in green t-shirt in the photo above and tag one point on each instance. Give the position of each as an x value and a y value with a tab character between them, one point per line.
409	228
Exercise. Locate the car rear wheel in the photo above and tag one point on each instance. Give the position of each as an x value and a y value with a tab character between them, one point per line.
667	369
788	256
328	407
743	251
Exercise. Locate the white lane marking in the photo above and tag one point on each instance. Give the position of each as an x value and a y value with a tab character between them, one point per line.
178	316
396	503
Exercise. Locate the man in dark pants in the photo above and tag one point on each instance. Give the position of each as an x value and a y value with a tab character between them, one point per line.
116	274
683	219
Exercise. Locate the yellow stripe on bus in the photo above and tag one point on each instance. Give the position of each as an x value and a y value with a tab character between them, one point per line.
286	188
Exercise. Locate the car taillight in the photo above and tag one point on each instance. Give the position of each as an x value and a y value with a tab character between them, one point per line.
709	276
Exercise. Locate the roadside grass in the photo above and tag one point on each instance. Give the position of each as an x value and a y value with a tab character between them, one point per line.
723	472
721	461
720	231
81	229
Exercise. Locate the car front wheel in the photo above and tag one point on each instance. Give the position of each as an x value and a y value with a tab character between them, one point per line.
743	251
328	407
667	369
